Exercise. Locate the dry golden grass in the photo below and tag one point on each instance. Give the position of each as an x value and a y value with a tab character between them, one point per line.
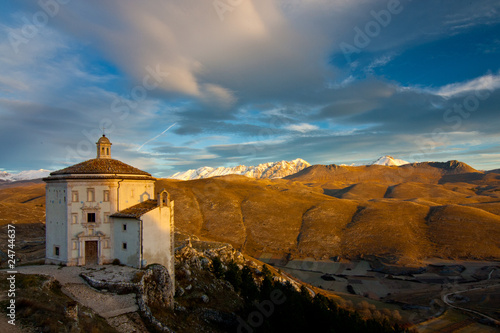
22	202
465	232
389	229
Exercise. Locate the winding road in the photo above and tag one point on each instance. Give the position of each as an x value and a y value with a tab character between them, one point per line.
449	303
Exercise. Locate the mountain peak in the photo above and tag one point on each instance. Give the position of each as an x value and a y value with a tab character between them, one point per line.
389	161
265	170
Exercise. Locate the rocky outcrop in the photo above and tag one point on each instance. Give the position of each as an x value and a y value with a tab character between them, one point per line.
155	287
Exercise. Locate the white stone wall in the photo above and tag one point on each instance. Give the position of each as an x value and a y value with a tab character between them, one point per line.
158	237
132	192
131	236
55	223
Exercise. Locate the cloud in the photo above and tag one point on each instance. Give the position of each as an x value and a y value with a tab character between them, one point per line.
265	82
302	128
487	82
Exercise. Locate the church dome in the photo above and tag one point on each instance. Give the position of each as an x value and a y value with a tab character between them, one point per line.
104	140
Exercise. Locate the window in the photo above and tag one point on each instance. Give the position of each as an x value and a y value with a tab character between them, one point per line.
124	227
107	151
105	196
90	194
74	196
90	217
124	246
56	251
74	218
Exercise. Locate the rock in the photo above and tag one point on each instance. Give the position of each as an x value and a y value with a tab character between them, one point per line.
205	298
178	307
205	263
223	319
179	291
71	310
189	287
157	286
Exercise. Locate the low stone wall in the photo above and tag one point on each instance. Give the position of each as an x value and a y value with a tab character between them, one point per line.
155	286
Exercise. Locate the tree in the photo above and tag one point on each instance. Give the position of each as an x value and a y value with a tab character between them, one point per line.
249	289
233	275
217	267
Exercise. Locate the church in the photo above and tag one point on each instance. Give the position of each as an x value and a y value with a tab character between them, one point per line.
102	209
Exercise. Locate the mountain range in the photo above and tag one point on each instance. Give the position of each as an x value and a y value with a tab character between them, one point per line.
24	175
269	170
266	170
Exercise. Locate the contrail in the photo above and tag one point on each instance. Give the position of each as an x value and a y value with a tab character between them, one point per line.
145	143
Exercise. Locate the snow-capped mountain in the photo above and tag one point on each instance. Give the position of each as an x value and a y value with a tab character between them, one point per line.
265	170
24	175
389	161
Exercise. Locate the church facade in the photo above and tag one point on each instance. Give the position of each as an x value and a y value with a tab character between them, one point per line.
103	209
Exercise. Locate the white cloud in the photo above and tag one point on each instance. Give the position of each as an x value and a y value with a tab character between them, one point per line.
303	128
487	82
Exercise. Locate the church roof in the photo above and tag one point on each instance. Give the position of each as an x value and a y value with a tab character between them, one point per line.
101	166
138	210
103	139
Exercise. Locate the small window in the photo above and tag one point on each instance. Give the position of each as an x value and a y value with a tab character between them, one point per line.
56	251
124	246
74	218
90	217
105	196
74	196
107	151
124	227
90	195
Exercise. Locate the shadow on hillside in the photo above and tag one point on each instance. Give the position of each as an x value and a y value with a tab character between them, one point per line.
461	178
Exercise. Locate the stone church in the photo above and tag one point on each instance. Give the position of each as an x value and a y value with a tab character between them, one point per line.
103	209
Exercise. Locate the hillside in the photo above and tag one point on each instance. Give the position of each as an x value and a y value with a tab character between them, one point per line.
404	214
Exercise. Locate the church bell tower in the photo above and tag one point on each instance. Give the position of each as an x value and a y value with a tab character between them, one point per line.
103	147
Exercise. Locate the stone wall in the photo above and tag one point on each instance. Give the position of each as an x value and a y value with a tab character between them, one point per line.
154	287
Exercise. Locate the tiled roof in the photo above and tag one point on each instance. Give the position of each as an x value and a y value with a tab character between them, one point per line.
100	166
137	210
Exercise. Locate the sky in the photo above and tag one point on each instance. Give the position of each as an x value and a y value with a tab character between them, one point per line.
178	85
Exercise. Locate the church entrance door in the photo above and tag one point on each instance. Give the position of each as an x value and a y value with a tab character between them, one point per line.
91	253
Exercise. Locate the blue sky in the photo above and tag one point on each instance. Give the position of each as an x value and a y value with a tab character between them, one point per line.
247	82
